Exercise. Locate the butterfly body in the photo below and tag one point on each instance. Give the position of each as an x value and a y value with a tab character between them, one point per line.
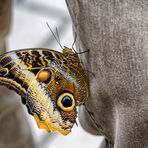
50	83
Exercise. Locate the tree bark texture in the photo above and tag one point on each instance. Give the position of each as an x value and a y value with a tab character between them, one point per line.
116	33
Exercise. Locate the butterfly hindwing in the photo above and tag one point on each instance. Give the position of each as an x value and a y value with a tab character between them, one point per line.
51	84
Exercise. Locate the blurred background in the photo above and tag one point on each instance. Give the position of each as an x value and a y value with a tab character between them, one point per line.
29	30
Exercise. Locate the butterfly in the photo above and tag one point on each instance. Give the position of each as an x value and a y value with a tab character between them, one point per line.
51	84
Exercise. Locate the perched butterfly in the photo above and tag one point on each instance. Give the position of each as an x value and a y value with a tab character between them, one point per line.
51	84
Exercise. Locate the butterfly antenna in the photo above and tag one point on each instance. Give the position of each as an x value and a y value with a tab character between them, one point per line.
54	35
75	38
85	51
58	37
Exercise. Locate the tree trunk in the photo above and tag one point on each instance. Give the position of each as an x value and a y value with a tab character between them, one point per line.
116	33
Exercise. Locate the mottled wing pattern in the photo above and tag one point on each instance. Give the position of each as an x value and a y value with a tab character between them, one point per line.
50	83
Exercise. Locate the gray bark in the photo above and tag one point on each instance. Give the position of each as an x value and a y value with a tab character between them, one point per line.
116	33
14	128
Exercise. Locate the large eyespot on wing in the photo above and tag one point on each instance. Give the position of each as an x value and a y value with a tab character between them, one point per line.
66	102
3	71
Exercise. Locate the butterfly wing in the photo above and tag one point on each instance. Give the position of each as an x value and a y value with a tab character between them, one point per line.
49	88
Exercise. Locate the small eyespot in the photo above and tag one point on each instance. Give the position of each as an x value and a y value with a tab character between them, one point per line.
3	71
43	75
66	102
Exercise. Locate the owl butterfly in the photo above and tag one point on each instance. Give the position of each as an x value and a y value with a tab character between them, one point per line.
51	85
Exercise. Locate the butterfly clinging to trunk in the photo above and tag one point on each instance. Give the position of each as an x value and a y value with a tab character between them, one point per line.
51	84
